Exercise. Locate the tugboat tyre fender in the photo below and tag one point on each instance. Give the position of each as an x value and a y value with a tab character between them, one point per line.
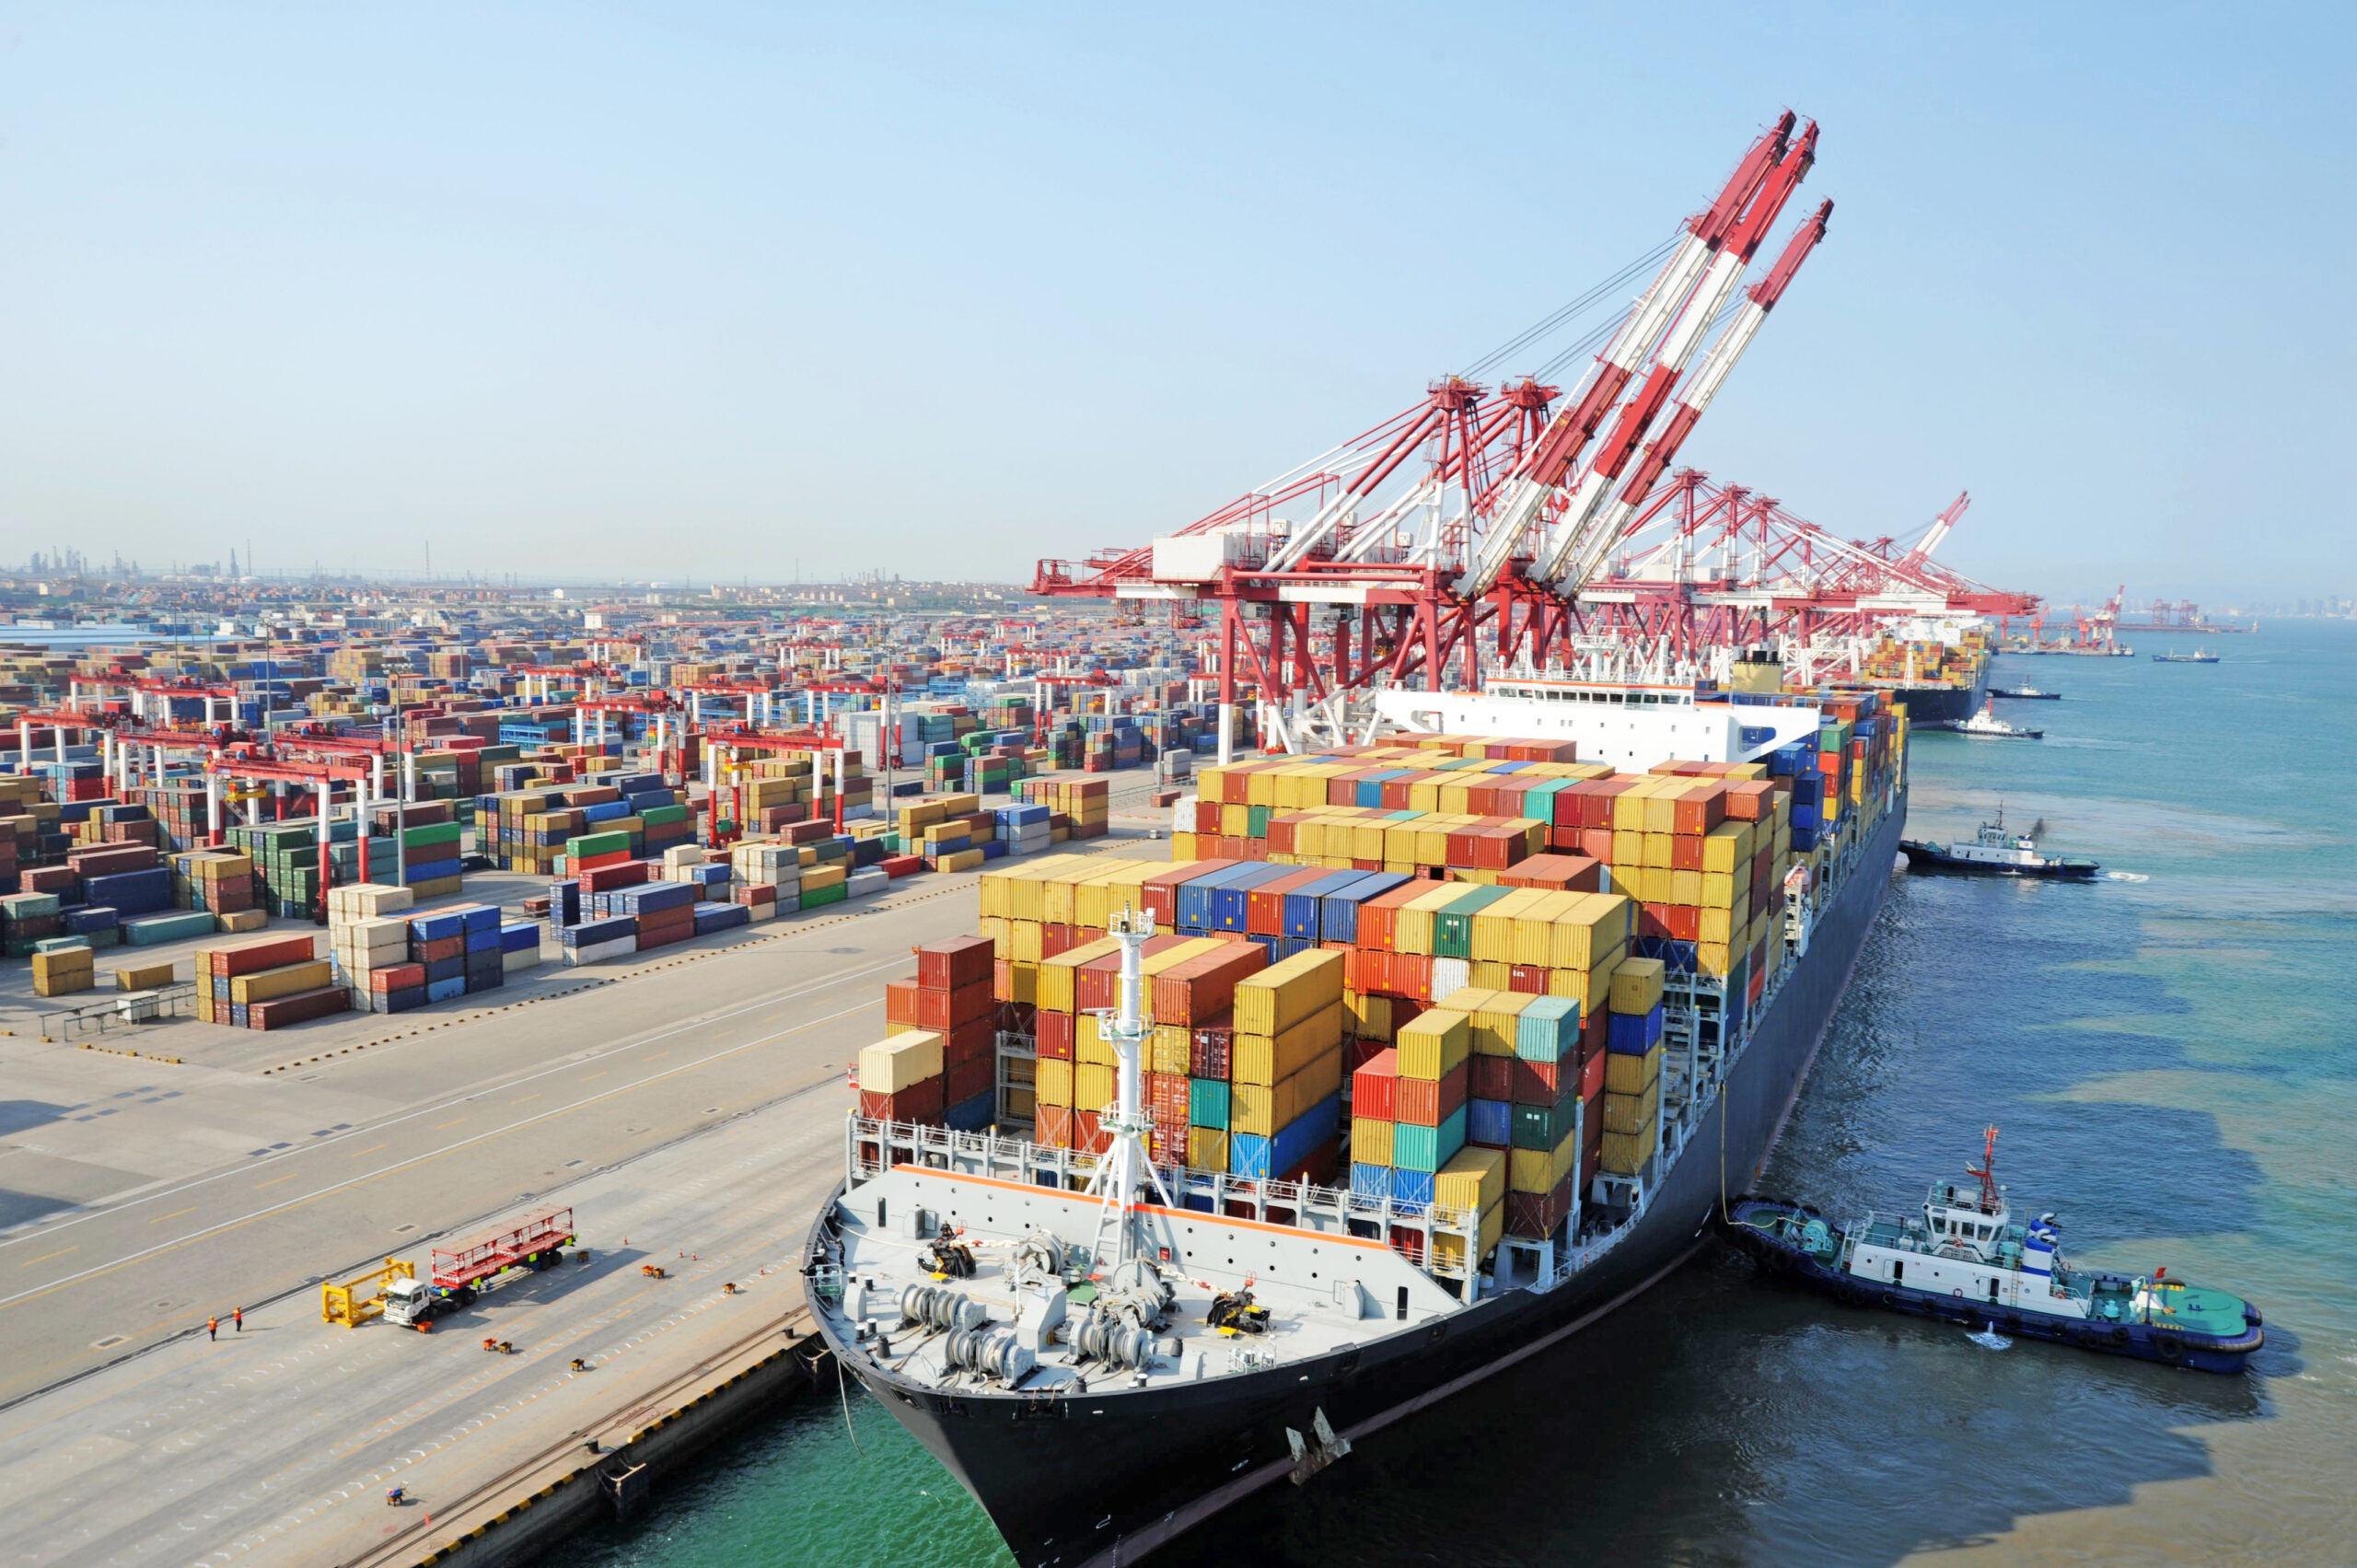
2170	1346
2119	1336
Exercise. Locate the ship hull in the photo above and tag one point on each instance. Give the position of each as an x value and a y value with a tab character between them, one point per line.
1100	1480
1931	704
1926	860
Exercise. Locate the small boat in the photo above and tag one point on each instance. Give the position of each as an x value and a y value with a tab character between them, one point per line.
1996	853
1988	727
2025	694
1964	1259
2197	657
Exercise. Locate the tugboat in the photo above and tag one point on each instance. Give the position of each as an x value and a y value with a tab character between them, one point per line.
1988	727
1964	1259
2197	657
2025	694
1996	853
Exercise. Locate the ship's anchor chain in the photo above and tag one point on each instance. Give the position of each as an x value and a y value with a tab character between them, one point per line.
1308	1460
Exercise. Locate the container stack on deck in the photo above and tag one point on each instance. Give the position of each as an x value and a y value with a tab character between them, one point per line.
949	998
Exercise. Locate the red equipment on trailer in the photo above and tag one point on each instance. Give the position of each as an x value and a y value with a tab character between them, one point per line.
525	1243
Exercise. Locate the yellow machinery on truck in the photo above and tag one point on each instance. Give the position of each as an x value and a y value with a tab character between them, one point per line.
363	1296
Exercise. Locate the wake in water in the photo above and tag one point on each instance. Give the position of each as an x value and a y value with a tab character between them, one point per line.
1989	1338
2125	877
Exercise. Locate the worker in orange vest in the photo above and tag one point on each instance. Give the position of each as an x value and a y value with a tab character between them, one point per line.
212	1328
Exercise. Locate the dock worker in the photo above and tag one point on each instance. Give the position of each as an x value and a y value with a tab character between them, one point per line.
212	1328
238	1315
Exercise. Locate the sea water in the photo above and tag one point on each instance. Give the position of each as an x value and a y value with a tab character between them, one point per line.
2172	1064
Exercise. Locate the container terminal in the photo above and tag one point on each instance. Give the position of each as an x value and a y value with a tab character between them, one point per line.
437	1006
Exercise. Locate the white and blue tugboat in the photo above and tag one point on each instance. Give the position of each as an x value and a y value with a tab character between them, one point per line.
1994	852
1966	1260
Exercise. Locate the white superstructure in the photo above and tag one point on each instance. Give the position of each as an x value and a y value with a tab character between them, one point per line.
1631	726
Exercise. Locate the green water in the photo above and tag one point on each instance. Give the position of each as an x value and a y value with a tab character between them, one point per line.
2174	1066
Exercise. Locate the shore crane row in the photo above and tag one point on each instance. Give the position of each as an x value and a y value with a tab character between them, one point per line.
1476	530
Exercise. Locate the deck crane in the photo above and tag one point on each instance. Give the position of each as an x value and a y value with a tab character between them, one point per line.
1555	458
1571	537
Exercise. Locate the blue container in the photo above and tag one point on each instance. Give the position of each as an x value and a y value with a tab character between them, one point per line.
521	936
91	918
443	990
973	1115
1370	1181
441	970
479	981
1411	1190
720	917
1368	791
1338	911
1231	901
478	917
1301	905
1490	1123
652	897
488	960
591	932
130	893
1633	1034
1194	906
606	811
437	926
483	941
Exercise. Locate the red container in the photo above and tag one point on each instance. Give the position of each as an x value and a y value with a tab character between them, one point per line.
268	952
1557	873
1530	980
300	1007
973	1041
1537	1213
1201	988
108	860
1378	915
1211	1052
400	976
1751	800
1088	1138
1053	1127
1057	940
1541	1083
1409	1243
1592	1079
620	874
899	865
959	962
904	1003
1425	1103
48	879
1593	1031
438	950
918	1102
1685	922
1411	975
1700	810
1492	1077
969	1001
1685	853
1264	907
1371	1086
969	1078
1160	892
1054	1038
1358	1053
1165	1096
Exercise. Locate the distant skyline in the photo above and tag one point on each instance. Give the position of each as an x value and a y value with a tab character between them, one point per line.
708	291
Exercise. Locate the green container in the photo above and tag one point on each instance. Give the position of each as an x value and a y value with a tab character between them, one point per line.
1453	926
1207	1101
1545	1126
590	844
813	897
432	834
656	816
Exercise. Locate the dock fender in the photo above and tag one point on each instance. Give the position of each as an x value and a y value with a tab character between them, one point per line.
2169	1344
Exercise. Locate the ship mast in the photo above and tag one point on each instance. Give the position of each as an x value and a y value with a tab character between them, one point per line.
1986	1171
1127	1165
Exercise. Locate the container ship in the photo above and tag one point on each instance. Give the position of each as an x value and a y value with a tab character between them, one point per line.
1939	680
1416	1058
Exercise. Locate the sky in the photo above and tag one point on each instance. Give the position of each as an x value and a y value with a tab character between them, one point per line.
708	291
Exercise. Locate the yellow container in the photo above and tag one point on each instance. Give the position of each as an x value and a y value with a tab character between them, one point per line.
1432	1042
902	1061
1628	1074
1637	985
1059	976
1263	1058
958	860
1089	1046
1625	1152
1169	1049
1367	1017
1370	1140
1054	1083
148	977
1284	994
1448	1251
284	981
1541	1170
1262	1108
1497	1021
1207	1148
1632	1113
1094	1085
1474	1178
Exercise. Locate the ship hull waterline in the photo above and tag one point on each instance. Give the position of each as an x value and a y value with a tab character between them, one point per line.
1092	1481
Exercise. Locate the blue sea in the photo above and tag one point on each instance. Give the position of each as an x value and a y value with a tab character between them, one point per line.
2170	1057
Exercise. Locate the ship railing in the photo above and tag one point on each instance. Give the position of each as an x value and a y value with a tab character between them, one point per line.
1442	1240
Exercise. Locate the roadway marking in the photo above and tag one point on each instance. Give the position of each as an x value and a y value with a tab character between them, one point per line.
47	1256
587	1076
520	1099
276	1179
828	984
369	1150
176	1214
224	1226
452	1122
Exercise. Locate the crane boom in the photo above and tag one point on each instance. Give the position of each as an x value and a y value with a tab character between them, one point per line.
1555	455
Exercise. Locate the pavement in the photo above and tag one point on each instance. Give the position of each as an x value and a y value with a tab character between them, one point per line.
690	1101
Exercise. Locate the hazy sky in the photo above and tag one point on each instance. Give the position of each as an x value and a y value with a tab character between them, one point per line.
696	290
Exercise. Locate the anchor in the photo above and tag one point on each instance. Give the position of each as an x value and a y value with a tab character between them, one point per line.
1307	1461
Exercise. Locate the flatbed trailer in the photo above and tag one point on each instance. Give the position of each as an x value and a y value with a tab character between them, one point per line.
463	1271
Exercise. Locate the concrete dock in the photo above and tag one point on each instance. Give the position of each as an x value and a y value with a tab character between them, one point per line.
687	1105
